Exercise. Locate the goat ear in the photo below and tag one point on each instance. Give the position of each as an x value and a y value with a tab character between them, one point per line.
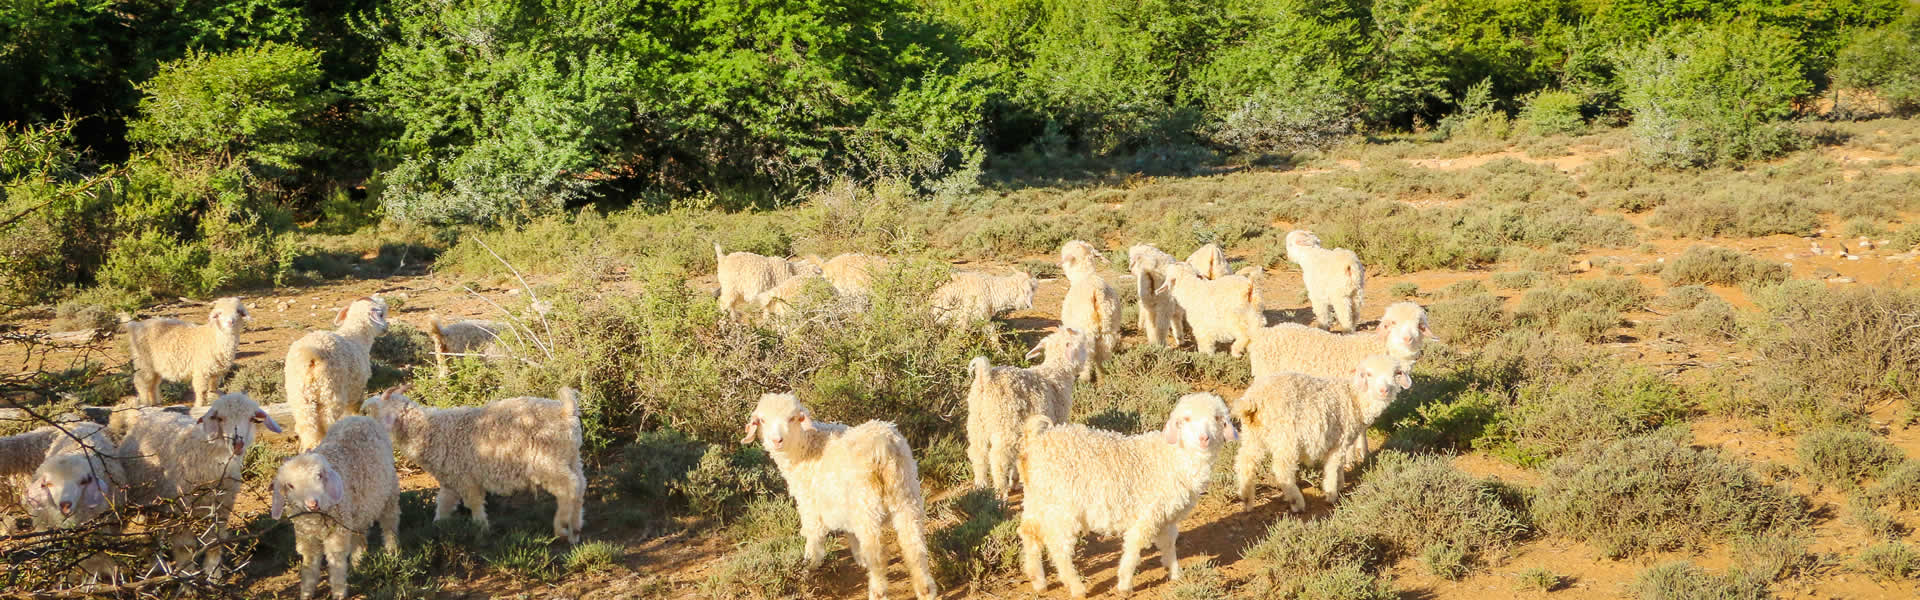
261	417
208	426
334	487
1171	433
95	494
1428	331
753	429
1404	379
341	316
279	504
1037	350
806	421
1227	424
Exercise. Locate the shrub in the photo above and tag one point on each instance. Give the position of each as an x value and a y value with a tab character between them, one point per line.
1680	580
1201	581
1738	211
1854	344
727	478
1710	319
1684	297
1471	320
1720	266
393	576
659	462
762	570
1539	579
1889	561
1843	459
1651	493
1298	547
79	316
1551	416
1774	557
403	346
1462	288
1550	112
1900	486
1404	289
974	536
1877	524
1591	325
1712	95
1413	503
1518	280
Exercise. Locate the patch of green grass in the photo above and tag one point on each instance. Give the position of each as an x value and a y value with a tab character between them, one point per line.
593	556
1404	289
765	519
1842	459
944	463
1889	561
1720	266
524	555
263	460
398	576
1654	492
1550	416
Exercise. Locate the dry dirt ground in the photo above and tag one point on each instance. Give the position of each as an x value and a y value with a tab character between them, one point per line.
1220	530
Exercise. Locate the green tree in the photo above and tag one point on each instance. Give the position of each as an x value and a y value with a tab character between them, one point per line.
1713	94
253	107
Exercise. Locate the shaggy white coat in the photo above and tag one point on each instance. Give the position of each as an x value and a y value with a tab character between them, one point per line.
1290	347
327	371
1335	279
1001	398
1304	420
1091	305
854	479
1080	479
744	275
175	350
1217	310
334	493
500	448
192	464
1159	315
976	296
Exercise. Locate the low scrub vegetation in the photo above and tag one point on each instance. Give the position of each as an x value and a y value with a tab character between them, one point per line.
1644	494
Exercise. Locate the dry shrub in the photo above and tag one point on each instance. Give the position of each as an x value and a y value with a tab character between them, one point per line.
1720	266
1653	493
1843	459
1844	347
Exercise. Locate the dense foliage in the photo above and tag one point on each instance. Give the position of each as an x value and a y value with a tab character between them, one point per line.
233	119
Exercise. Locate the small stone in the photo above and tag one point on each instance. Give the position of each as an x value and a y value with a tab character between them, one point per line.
513	292
1583	266
1866	244
1839	280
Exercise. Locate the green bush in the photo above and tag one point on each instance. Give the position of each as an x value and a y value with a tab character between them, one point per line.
1539	579
1518	280
256	105
1551	112
1325	559
726	479
1886	61
1843	459
1720	266
1652	493
1712	95
1551	416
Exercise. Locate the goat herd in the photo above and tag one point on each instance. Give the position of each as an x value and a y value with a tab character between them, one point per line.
1313	397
